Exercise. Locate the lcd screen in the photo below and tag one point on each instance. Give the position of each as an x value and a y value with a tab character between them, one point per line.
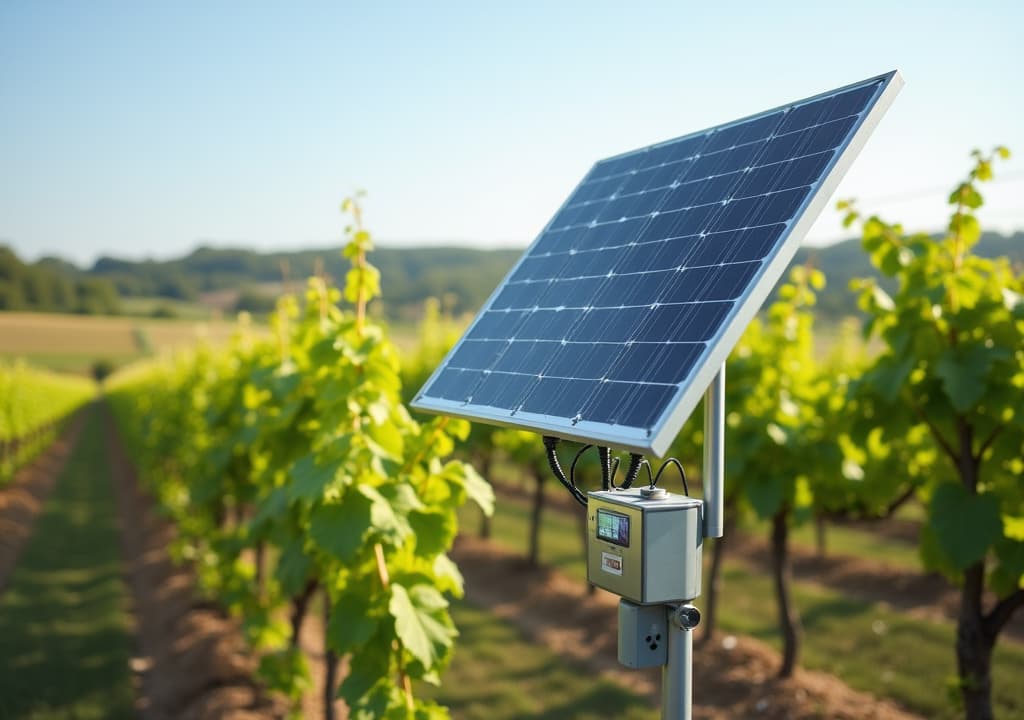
613	527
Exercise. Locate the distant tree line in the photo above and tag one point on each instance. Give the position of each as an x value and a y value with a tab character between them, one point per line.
461	277
43	287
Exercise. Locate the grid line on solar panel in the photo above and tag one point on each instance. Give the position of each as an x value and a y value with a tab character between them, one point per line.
608	313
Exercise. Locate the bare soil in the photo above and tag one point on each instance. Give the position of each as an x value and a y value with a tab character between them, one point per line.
192	662
22	500
734	678
893	528
927	596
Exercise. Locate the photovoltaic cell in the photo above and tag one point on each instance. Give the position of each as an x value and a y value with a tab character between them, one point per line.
615	319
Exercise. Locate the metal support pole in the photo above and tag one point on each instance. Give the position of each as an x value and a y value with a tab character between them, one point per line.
677	673
714	456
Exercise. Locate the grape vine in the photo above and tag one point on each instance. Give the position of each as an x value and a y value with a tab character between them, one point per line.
951	374
291	467
33	403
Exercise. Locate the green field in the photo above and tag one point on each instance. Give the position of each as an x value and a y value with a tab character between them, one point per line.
157	307
867	645
72	343
65	635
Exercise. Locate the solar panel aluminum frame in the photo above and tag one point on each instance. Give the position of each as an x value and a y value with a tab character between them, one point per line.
656	440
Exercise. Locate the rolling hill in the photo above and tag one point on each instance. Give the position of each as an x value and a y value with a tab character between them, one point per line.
228	279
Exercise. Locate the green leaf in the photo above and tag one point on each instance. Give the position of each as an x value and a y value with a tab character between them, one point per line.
421	632
933	557
1013	527
427	597
388	437
434	531
324	353
285	671
967	195
965	525
766	495
477	489
402	497
432	711
890	258
270	507
384	701
309	478
378	450
351	623
366	669
1008	574
966	227
449	579
293	567
890	374
964	371
382	515
339	528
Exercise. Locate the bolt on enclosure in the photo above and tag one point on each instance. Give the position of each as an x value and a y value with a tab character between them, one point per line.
648	550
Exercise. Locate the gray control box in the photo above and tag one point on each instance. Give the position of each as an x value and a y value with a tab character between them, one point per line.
645	549
643	635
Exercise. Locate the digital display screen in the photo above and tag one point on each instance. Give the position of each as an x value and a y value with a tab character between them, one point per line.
613	527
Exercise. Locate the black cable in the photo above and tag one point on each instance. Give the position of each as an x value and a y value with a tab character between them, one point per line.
579	454
572	468
605	455
682	473
633	471
550	444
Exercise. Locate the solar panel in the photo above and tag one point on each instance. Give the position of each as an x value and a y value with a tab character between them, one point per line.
616	318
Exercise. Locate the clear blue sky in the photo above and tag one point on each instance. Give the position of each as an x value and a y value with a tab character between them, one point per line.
143	129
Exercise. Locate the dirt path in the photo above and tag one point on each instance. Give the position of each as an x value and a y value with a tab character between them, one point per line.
191	661
22	500
734	679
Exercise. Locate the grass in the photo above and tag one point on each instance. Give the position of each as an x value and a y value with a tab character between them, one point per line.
850	541
65	636
147	306
498	674
867	645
